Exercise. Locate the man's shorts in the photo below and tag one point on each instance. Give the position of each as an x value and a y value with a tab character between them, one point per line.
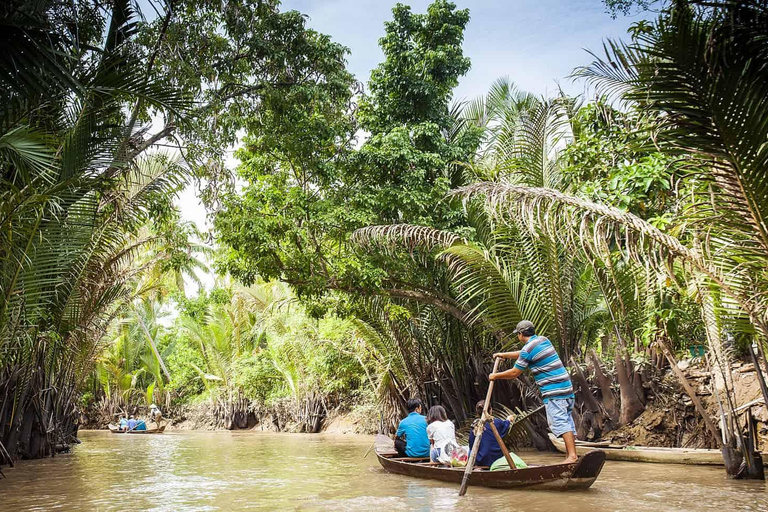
559	416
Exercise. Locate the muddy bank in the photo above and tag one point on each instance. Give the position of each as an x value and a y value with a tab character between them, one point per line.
282	416
670	418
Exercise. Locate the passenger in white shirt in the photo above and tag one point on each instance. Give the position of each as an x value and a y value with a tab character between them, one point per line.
441	433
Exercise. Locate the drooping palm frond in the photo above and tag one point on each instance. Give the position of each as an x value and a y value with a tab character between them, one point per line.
702	68
413	239
583	224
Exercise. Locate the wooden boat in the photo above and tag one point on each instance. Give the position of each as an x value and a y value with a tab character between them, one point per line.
577	475
696	456
116	430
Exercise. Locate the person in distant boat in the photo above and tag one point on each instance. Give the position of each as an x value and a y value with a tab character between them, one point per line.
441	433
131	423
411	439
123	423
489	450
140	426
155	415
550	374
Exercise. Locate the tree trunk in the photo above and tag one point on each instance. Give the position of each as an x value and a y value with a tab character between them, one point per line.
637	383
591	419
754	460
609	401
631	406
732	459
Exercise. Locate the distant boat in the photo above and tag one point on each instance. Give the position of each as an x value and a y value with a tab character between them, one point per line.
116	430
659	455
577	475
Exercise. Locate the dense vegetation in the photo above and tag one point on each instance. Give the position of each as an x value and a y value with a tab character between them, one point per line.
382	241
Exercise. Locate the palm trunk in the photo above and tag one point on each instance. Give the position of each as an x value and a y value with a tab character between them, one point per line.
609	400
631	406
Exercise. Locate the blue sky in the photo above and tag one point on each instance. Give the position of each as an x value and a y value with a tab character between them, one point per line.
537	43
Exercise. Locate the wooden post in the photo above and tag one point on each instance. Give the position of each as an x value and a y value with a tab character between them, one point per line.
478	435
759	372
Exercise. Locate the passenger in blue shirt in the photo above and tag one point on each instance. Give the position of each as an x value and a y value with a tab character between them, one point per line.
411	439
123	423
132	423
489	450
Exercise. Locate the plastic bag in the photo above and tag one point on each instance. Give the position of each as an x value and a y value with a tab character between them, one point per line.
446	453
459	456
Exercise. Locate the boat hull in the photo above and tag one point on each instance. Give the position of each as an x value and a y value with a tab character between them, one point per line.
578	475
116	430
687	456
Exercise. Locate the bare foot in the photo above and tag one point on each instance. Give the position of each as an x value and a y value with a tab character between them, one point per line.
570	460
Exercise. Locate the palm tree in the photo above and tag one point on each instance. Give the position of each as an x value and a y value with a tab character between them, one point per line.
703	70
71	202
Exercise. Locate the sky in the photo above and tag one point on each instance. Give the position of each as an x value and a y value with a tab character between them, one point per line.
537	43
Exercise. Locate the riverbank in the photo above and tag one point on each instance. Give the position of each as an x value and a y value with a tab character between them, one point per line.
359	419
669	420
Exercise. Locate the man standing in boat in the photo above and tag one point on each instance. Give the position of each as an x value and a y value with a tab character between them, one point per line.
553	380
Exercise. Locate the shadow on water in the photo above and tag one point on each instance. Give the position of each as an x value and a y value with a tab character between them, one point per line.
201	471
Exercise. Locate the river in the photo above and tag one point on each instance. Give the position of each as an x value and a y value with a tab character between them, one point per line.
184	471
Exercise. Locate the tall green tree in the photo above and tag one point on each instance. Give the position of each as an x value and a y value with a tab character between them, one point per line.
308	189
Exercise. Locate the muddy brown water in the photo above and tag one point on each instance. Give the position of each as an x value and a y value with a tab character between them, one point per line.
185	471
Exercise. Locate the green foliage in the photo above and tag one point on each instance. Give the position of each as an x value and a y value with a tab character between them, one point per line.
612	161
404	169
364	277
255	69
699	73
626	7
423	63
77	198
308	189
182	358
257	377
247	340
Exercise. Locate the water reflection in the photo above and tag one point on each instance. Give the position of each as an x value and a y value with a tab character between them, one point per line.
249	471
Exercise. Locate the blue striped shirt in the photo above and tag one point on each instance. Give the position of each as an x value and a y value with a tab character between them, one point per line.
540	356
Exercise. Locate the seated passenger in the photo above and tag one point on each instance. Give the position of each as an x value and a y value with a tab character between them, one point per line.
123	425
131	423
441	432
489	450
140	425
411	438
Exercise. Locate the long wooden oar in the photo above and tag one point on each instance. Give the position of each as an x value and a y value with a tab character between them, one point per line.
479	435
503	446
